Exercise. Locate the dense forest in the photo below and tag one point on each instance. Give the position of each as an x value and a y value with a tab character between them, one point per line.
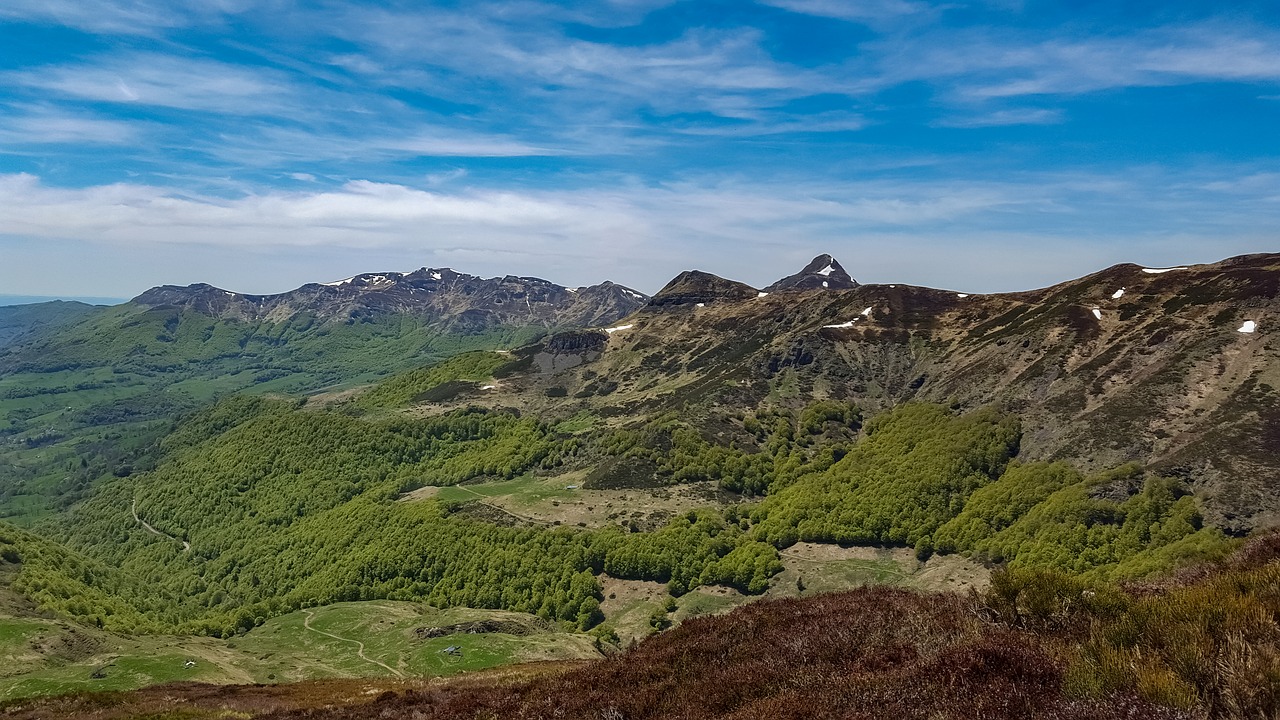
270	505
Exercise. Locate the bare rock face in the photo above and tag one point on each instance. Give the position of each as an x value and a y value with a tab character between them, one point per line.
458	302
822	273
694	287
577	341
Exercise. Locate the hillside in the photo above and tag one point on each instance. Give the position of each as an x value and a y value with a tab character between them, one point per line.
1175	369
18	322
94	386
1036	645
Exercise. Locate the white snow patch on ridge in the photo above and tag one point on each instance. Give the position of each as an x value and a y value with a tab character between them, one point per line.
701	305
827	270
962	295
1117	294
846	324
1248	327
338	282
613	330
866	313
1158	271
436	276
762	294
1097	313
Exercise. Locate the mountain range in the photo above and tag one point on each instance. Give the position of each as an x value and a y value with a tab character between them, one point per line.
1172	367
236	476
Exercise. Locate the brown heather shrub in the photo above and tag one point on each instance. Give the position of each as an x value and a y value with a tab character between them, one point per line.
868	653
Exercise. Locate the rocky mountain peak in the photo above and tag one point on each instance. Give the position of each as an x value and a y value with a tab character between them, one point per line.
693	287
823	272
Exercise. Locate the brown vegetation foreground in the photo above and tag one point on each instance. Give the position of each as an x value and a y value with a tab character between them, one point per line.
1204	644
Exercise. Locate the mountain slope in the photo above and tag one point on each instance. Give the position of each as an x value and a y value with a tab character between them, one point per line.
1177	369
91	386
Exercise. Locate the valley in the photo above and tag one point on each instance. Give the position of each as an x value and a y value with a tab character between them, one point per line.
396	477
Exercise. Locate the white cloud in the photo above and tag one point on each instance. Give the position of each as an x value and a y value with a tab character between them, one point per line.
984	64
725	72
171	81
1000	118
122	17
46	125
1016	233
857	10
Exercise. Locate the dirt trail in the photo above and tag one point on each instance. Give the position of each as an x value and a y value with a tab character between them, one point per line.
359	645
186	546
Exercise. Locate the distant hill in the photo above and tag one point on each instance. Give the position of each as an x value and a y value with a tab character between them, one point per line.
6	300
19	321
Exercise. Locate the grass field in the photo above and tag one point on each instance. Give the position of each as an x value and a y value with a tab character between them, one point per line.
48	657
562	500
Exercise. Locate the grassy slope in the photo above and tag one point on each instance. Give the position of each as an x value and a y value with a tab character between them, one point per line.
99	385
45	656
1202	644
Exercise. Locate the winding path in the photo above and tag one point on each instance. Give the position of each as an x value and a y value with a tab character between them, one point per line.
360	646
186	546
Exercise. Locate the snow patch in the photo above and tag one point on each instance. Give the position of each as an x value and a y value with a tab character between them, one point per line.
1097	313
700	305
827	270
613	330
866	313
1117	294
1248	327
436	276
336	283
824	283
572	290
962	295
840	326
488	387
762	294
1159	271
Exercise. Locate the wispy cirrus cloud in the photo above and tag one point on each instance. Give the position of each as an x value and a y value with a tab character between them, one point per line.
164	80
977	64
121	17
1001	118
724	72
856	10
43	124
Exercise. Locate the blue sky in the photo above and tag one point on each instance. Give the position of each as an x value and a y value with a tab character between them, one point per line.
980	146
